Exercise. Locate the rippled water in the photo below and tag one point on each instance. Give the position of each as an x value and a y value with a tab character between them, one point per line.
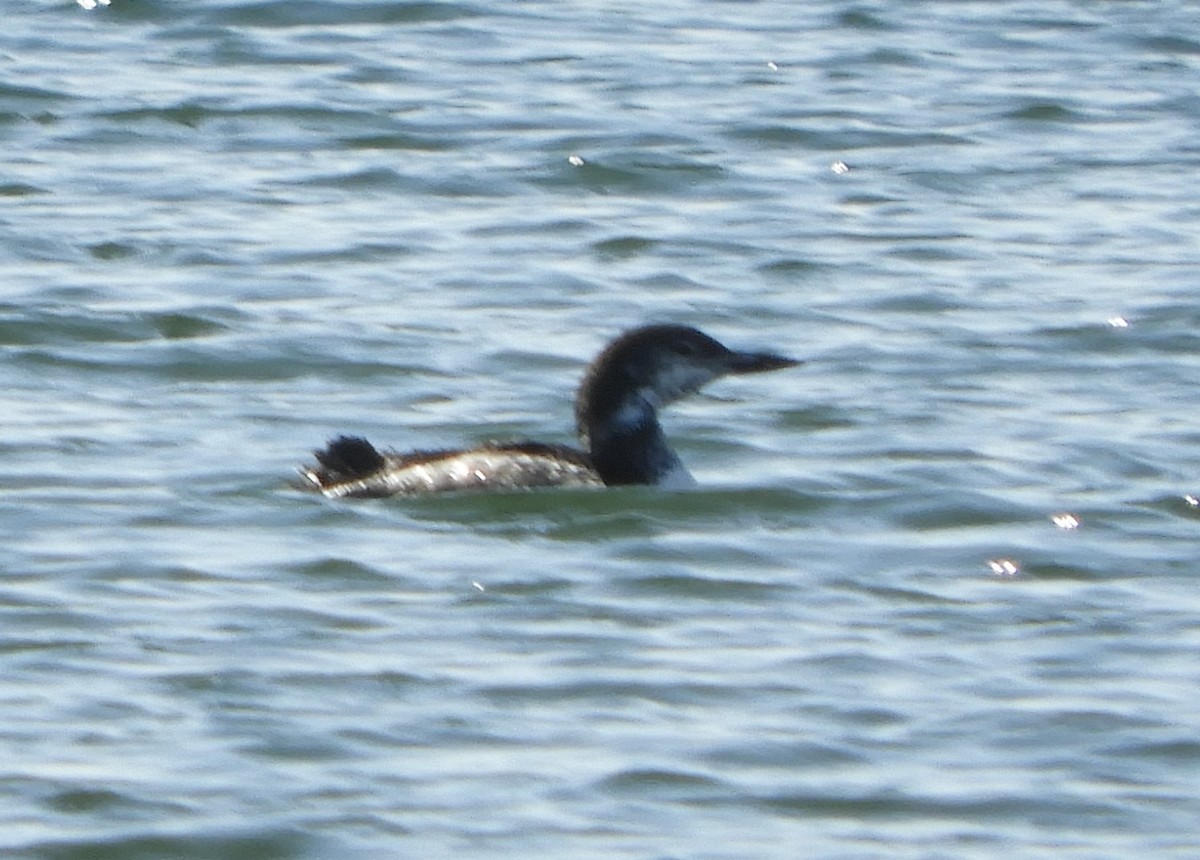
936	596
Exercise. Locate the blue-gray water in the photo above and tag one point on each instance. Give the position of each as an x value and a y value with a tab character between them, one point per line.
937	596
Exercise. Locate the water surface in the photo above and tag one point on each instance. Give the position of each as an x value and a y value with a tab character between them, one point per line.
935	596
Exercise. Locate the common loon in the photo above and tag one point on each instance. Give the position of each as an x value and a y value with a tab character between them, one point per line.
616	416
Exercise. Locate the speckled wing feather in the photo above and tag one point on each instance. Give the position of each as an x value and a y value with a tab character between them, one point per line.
352	467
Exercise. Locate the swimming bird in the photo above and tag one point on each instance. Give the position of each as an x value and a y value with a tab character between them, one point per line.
616	417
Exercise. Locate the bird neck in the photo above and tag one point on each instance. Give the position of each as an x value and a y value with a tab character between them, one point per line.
628	445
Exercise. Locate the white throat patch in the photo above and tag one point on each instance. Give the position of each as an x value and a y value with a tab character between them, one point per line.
676	478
